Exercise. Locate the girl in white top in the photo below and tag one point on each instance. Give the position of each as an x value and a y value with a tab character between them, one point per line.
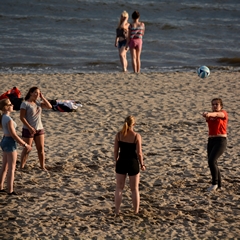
30	115
9	146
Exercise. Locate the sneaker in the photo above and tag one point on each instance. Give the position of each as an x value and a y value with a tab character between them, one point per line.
212	188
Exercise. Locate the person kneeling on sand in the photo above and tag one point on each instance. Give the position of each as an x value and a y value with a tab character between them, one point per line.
128	156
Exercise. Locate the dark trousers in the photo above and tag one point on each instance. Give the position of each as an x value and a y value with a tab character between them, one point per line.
215	148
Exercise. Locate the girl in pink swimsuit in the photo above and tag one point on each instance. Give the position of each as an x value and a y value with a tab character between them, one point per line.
136	32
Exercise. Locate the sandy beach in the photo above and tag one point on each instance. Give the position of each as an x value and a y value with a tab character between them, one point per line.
75	198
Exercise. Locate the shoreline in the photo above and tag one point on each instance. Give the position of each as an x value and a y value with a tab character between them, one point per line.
167	69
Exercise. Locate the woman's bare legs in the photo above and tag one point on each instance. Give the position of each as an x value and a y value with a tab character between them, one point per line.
39	141
8	168
25	152
134	183
120	183
136	61
123	58
4	170
12	159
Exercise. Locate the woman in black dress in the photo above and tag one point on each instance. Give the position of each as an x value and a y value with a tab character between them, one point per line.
128	156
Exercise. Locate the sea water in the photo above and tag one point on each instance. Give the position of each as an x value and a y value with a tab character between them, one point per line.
73	36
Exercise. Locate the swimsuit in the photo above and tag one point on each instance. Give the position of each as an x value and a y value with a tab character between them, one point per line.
127	162
121	32
135	43
136	34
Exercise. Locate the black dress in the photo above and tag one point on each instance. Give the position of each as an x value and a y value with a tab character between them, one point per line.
127	162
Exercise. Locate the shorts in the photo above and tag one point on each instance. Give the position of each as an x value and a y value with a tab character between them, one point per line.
130	167
122	43
135	43
8	144
27	134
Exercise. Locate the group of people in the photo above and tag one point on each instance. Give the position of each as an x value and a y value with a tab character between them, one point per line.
30	115
129	36
128	153
128	156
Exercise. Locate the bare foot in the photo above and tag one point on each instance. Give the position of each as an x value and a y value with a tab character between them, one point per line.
44	169
117	215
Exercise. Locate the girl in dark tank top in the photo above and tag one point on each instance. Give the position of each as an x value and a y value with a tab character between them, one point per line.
121	39
128	156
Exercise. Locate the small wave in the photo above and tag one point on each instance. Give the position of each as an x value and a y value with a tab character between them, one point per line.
211	6
16	17
168	27
230	61
98	63
38	17
25	65
194	8
162	26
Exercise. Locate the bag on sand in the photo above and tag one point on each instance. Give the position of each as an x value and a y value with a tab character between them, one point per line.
14	96
13	93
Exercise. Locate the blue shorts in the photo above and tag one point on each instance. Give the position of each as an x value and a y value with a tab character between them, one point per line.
8	144
122	43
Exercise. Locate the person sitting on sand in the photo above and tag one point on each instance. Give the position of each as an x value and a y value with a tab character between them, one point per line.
9	146
217	141
128	156
30	115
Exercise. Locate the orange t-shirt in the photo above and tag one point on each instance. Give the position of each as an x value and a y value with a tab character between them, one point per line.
218	125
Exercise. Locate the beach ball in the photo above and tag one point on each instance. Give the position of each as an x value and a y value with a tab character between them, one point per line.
203	72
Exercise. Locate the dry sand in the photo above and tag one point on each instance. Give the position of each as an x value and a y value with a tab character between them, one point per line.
75	199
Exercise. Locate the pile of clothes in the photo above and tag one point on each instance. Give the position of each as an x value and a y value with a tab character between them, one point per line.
65	105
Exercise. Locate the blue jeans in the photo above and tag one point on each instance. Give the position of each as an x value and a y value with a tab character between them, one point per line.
215	148
8	144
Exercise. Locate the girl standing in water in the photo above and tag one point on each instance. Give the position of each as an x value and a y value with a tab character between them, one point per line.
135	35
121	39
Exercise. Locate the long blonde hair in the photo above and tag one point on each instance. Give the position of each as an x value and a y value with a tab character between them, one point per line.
4	102
129	122
124	14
